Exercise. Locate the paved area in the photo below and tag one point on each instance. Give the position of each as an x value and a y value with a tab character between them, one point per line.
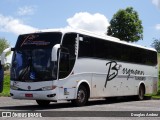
95	109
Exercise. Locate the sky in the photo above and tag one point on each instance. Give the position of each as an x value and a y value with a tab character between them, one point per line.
23	16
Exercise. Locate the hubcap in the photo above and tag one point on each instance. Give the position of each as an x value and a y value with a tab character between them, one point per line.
81	96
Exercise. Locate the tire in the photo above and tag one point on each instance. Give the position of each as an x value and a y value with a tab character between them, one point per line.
141	93
43	102
82	97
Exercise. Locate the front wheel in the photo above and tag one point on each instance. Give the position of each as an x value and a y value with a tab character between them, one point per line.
43	102
82	97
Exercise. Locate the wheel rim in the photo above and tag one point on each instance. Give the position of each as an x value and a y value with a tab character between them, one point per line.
81	96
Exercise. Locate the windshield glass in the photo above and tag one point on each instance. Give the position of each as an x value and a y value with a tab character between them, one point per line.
32	57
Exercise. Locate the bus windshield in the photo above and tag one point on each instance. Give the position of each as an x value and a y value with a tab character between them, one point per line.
31	60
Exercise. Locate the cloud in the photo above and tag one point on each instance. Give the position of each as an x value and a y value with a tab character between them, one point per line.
158	27
156	2
91	22
26	10
16	26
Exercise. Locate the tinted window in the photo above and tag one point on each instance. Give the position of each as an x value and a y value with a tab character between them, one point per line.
68	45
102	49
38	40
86	47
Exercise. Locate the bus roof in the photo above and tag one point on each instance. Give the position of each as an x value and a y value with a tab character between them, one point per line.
97	35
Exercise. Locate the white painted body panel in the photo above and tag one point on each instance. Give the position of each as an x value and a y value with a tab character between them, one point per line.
120	85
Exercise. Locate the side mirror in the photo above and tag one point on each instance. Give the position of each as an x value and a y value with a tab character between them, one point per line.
3	56
12	49
54	55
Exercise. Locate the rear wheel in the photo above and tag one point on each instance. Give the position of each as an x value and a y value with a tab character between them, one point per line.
82	97
43	102
141	92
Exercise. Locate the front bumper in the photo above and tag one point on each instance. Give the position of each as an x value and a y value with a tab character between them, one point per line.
34	95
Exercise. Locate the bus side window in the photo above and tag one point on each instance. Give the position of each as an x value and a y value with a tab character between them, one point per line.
64	64
68	56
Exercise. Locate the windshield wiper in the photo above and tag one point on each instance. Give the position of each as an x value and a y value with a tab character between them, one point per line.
24	72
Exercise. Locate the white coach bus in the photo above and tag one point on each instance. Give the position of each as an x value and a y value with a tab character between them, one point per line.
74	65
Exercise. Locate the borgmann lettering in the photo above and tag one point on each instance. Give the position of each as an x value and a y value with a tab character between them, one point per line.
130	72
112	71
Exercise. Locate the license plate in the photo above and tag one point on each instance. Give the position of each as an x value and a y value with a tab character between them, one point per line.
28	95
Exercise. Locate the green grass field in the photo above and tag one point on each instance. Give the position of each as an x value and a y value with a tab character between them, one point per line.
6	85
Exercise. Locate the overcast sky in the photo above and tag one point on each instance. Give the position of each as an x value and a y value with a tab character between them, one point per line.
22	16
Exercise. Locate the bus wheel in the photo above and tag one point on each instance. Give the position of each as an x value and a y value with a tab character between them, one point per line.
82	97
43	102
141	92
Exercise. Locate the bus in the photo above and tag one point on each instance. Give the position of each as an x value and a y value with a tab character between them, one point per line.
77	65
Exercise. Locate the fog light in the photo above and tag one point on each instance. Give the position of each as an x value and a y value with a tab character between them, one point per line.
51	95
14	87
11	94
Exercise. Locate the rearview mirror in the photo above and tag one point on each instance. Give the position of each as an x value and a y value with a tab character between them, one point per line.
54	55
3	55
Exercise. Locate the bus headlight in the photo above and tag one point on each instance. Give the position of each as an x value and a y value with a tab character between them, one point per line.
14	87
49	88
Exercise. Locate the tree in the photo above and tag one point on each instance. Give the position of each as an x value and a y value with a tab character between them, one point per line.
156	44
126	25
3	45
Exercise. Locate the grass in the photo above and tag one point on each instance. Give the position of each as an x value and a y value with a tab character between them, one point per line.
156	97
6	85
